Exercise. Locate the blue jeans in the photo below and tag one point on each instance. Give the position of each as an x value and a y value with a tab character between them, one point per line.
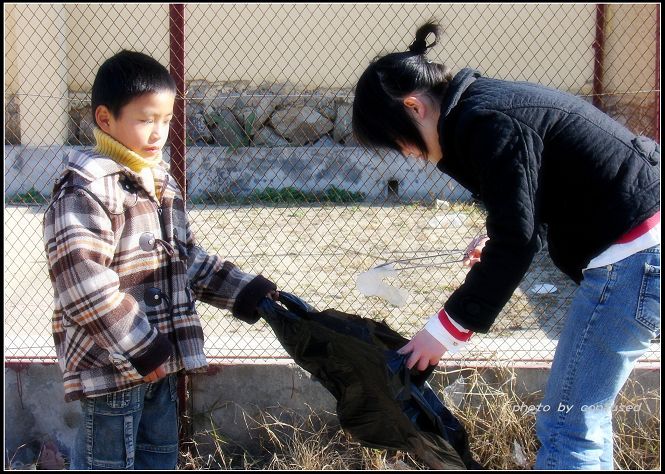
613	316
135	428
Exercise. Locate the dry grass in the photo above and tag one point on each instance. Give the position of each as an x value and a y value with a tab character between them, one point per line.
501	437
290	440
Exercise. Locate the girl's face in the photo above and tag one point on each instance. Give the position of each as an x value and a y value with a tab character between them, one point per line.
431	137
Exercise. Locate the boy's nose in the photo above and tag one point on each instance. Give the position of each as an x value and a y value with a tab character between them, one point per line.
159	131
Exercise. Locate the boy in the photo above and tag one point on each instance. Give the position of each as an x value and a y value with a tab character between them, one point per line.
126	271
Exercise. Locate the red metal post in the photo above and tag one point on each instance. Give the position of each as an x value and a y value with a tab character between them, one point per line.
657	103
177	59
599	50
179	169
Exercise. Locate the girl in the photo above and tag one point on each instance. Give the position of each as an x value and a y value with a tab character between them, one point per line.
547	165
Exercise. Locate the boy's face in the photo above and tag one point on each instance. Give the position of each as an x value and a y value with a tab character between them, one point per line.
142	124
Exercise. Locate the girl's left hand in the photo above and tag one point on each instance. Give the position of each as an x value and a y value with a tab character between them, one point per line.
474	250
425	350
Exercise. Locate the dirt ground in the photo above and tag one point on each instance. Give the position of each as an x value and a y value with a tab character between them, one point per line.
315	252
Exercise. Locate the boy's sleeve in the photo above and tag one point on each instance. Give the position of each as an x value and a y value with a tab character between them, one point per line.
223	285
80	248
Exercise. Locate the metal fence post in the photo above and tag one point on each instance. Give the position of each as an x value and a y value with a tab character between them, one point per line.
178	169
177	60
657	86
599	53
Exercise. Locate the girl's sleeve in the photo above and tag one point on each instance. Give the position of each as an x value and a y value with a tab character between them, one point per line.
509	190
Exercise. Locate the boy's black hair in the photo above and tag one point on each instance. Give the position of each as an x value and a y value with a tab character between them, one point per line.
126	75
379	115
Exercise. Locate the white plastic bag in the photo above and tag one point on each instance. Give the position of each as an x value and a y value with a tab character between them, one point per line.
370	283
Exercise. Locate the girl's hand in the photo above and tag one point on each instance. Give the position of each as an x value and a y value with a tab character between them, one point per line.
273	295
425	350
473	251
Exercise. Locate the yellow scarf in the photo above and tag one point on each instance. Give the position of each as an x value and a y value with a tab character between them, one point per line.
109	146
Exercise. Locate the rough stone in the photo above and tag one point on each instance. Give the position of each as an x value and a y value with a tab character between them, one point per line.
73	126
256	112
197	128
12	121
343	125
200	91
266	136
86	127
233	86
224	100
226	131
300	125
193	108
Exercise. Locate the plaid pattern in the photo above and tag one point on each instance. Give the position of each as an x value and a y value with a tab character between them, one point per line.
125	283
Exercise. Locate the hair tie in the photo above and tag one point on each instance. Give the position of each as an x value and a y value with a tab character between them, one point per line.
418	46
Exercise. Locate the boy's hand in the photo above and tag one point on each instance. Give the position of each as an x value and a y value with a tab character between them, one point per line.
425	350
473	251
155	375
273	295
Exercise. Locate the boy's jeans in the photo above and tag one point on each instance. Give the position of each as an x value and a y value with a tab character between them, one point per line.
612	318
136	428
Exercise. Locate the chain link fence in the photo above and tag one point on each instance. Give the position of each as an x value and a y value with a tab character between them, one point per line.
275	182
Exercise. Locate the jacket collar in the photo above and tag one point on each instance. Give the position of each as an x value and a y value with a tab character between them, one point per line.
92	165
456	88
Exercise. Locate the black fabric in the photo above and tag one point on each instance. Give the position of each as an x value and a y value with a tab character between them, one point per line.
249	297
544	163
380	402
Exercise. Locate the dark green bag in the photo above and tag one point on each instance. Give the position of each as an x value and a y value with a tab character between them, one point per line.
380	403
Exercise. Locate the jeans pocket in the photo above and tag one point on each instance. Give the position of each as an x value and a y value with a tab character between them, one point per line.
113	442
648	307
119	399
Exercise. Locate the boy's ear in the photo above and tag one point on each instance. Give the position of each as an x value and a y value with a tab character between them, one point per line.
103	118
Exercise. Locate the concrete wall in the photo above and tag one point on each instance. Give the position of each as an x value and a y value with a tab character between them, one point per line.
325	45
328	45
40	71
218	170
626	53
228	398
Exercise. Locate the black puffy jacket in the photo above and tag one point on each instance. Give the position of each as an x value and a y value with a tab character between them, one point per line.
543	162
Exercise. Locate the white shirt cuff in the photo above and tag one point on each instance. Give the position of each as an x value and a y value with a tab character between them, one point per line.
436	329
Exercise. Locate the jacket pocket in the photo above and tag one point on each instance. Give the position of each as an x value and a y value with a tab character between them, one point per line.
648	149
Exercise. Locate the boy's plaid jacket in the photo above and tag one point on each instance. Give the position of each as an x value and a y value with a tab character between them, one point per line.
126	272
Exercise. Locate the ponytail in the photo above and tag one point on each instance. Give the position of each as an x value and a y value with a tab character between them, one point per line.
379	116
420	46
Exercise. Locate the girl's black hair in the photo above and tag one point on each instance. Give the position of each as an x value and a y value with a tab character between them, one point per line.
126	75
379	115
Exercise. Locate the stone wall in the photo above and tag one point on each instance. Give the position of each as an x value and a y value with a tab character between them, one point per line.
232	114
12	120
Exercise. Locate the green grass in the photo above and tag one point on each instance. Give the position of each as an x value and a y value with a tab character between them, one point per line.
287	195
31	197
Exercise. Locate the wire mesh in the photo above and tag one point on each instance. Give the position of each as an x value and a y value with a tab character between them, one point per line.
275	181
